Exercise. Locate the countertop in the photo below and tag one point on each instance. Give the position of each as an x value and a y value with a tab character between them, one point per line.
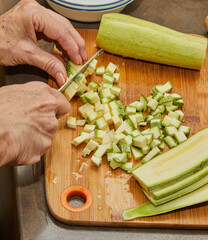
35	219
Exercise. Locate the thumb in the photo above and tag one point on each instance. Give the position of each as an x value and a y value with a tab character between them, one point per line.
49	63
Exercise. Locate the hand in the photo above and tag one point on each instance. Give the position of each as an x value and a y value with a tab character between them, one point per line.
18	39
28	121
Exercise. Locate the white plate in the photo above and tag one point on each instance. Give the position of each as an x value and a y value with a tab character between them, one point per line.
85	15
91	3
79	7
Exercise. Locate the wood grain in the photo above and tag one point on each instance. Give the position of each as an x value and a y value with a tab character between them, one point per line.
115	191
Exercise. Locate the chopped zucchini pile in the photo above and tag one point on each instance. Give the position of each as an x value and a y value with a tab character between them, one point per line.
141	128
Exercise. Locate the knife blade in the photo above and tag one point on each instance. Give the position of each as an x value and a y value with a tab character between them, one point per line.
81	70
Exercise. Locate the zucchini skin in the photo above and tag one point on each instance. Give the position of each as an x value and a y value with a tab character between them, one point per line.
132	37
147	209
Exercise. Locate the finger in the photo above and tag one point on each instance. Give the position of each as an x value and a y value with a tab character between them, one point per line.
61	31
74	33
63	105
49	63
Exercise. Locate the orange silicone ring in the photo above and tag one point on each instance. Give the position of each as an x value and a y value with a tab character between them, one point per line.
76	190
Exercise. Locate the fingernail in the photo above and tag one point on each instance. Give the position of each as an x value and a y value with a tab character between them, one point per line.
85	54
80	60
60	79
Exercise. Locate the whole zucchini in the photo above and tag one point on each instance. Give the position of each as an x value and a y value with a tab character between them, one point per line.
132	37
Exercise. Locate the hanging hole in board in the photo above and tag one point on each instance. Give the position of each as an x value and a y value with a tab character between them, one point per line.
76	198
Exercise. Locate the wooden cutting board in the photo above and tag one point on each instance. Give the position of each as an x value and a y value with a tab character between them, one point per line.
114	191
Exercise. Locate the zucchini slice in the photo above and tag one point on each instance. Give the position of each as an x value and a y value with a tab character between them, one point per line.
147	209
176	164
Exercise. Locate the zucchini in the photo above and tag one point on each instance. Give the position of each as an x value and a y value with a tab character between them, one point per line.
178	188
150	42
179	193
147	209
176	164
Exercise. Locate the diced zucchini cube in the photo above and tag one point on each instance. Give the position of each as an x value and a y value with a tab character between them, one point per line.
91	116
91	67
80	139
175	123
179	103
155	131
133	120
146	149
181	114
155	143
111	68
165	88
172	114
170	130
138	154
135	133
117	137
100	70
71	122
154	152
176	96
92	97
152	104
99	107
170	141
128	139
117	120
139	117
89	128
161	145
130	110
126	166
144	100
96	160
123	146
143	124
166	121
185	129
149	137
139	141
101	123
157	96
108	118
107	85
115	90
101	150
155	122
171	108
81	122
93	86
114	164
166	100
84	108
105	93
108	78
116	77
71	90
180	136
106	100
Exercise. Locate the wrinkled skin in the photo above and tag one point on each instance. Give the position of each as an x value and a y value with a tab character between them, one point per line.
18	40
28	121
29	112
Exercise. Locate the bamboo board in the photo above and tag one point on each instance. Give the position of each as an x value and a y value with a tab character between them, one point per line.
114	190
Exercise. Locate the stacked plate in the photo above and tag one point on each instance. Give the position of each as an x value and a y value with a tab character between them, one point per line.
87	10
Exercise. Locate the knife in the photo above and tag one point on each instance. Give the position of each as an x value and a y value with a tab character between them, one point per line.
81	70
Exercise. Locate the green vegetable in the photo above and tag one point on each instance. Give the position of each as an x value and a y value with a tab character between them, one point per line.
149	41
147	209
176	164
